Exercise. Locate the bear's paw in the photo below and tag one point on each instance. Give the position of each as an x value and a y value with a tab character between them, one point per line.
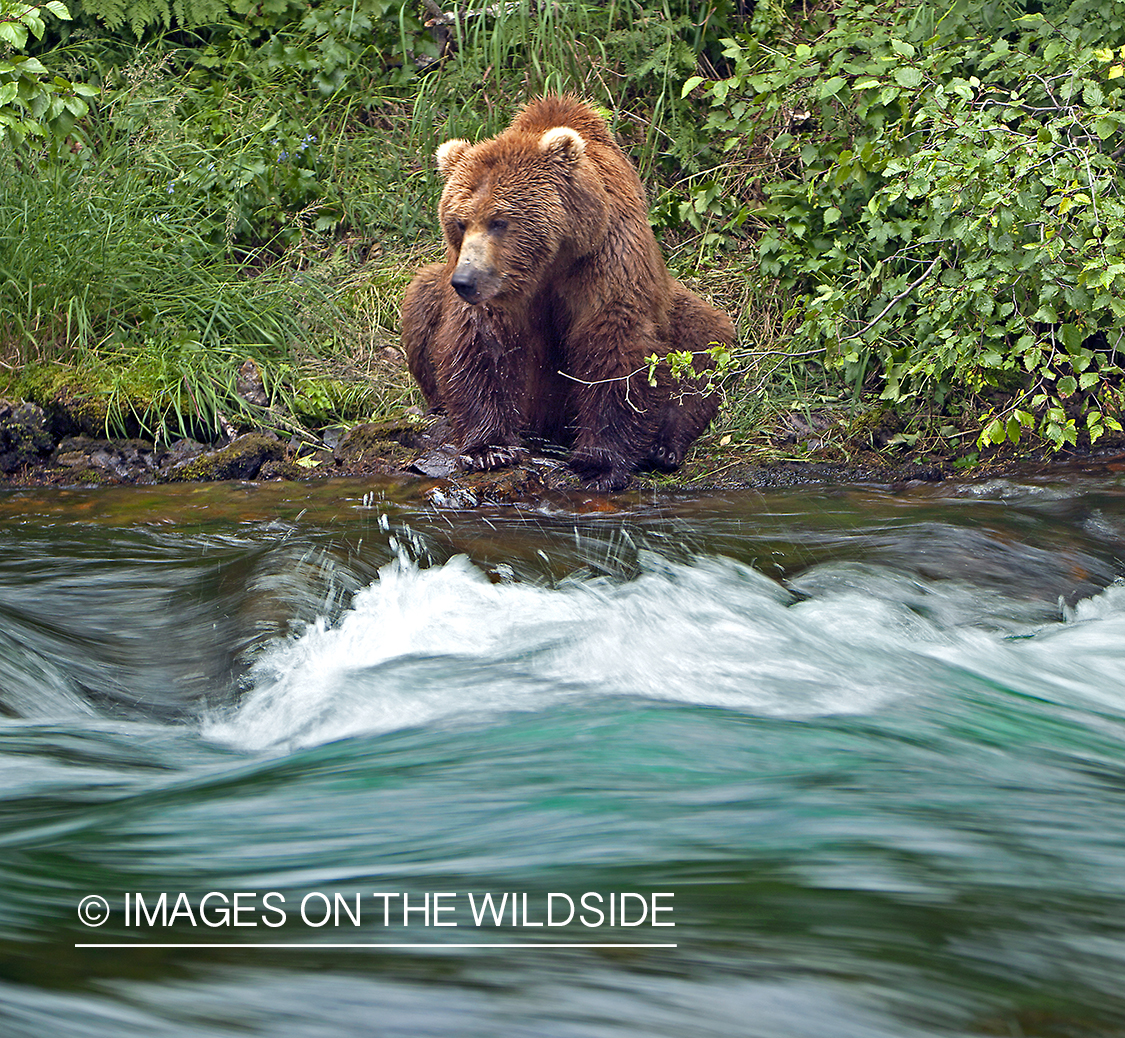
487	458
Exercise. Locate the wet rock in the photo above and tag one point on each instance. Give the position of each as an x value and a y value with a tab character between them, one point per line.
439	463
242	459
917	472
526	484
99	461
282	468
180	452
24	437
126	463
451	497
376	443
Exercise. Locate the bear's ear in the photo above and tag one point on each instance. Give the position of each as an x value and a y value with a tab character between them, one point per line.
562	144
448	155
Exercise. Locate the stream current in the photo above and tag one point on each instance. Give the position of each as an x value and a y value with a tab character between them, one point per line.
865	749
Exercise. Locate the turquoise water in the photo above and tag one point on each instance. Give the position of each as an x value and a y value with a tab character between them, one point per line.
865	749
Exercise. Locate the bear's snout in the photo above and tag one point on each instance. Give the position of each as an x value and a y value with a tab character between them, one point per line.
464	282
475	278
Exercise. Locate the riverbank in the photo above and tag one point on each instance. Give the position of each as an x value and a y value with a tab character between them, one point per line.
47	447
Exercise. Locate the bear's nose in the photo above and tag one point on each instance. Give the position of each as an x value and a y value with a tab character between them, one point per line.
464	283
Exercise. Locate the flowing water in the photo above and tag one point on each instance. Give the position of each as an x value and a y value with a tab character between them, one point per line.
865	749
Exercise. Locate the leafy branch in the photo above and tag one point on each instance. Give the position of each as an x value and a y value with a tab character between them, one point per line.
32	105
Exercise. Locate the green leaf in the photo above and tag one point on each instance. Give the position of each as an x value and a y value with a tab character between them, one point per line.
908	77
1092	93
58	9
14	34
1067	385
902	48
690	85
832	87
1072	336
1105	127
831	216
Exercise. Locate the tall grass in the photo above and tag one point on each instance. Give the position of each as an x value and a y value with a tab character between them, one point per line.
94	256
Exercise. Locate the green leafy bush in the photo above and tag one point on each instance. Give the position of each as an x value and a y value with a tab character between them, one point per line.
945	209
31	104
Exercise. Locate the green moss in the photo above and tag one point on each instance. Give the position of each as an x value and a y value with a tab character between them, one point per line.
243	459
874	427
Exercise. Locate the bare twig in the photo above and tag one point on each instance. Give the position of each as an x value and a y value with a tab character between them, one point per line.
902	295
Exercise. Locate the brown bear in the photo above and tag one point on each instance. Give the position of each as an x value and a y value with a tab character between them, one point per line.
552	295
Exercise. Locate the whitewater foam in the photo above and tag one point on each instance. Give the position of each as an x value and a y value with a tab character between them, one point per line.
425	644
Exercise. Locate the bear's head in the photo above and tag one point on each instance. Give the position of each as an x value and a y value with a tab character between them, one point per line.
513	208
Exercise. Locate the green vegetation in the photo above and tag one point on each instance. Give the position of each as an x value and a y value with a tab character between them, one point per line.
31	104
914	211
946	206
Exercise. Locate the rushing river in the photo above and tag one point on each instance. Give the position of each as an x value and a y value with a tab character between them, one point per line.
865	749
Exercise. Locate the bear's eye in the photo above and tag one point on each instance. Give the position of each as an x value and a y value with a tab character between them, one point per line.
498	226
460	224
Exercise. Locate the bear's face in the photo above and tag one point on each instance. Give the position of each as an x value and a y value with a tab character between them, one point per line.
502	211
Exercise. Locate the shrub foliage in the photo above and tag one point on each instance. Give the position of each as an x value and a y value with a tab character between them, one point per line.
946	209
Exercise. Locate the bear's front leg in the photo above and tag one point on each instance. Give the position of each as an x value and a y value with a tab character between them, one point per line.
482	372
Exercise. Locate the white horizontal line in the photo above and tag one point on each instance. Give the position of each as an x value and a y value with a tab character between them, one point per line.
429	946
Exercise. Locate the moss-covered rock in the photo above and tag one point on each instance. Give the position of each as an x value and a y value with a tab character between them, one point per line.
242	459
24	436
874	428
377	443
283	468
